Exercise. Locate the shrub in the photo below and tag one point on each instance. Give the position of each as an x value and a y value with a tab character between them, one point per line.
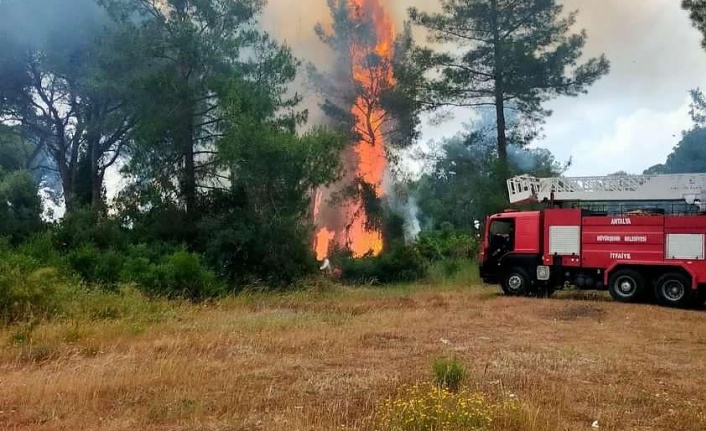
180	275
396	264
85	227
449	374
245	249
26	294
428	407
40	247
96	266
447	244
454	272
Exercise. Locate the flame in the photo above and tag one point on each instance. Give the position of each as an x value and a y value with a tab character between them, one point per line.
372	72
323	239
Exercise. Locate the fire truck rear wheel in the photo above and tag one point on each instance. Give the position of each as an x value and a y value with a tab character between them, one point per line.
674	290
515	282
626	285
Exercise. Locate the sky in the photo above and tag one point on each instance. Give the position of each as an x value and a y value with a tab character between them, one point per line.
630	120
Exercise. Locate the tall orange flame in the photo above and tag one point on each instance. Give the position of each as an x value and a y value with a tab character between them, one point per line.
372	73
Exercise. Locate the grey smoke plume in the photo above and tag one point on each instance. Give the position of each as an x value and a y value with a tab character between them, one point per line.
57	28
405	205
411	220
45	23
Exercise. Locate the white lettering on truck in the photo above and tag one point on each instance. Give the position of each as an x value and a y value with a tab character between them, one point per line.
618	238
625	256
636	238
620	221
608	238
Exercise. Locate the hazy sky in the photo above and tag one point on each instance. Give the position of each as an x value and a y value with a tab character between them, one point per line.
629	120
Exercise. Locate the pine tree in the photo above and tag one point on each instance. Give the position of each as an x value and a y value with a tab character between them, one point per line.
506	54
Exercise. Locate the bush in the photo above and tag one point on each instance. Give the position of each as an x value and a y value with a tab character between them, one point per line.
40	247
428	407
96	266
396	264
179	275
84	227
447	244
245	249
449	374
27	294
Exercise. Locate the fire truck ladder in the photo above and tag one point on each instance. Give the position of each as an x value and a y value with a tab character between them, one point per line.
689	188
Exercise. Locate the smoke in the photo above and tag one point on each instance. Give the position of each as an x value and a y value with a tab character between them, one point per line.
521	158
404	204
41	24
411	219
60	29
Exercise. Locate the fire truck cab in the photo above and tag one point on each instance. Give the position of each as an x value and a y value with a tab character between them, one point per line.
653	247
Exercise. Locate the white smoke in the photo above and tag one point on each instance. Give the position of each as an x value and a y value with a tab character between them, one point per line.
521	158
411	220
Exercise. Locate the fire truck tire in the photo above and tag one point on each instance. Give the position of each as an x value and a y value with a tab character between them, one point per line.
515	282
674	290
626	285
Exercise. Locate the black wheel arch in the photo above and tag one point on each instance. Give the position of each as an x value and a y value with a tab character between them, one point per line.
528	262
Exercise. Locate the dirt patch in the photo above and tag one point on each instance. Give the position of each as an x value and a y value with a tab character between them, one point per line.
573	311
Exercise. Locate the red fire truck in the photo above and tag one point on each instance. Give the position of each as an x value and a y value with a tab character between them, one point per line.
639	237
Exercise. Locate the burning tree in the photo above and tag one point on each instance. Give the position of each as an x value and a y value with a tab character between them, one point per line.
361	97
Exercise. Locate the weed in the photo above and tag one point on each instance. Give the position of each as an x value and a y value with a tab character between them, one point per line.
23	333
40	353
73	334
91	351
449	374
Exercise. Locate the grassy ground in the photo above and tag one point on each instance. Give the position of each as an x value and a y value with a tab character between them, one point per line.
327	359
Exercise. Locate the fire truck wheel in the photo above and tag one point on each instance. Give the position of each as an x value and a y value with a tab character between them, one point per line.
515	282
626	285
674	290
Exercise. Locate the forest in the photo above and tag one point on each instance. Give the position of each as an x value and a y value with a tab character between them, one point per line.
166	146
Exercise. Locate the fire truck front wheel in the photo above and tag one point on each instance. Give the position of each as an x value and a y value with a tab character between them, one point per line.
515	282
626	285
674	290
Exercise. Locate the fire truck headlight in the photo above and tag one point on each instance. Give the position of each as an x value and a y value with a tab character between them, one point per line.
543	273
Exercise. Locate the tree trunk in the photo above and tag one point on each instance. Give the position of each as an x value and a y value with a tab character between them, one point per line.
499	96
68	189
96	178
185	142
97	191
189	175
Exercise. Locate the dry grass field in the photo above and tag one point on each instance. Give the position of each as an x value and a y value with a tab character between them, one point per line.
328	359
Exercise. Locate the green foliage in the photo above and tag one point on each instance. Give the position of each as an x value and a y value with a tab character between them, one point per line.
454	272
465	182
246	249
449	374
181	275
689	155
84	227
697	13
20	206
447	243
28	291
256	230
96	266
398	263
